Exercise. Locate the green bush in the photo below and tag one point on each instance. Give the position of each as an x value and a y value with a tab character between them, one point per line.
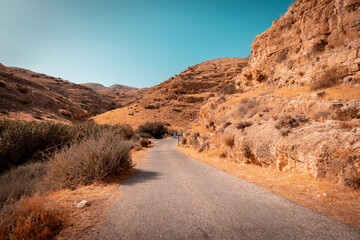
93	158
154	129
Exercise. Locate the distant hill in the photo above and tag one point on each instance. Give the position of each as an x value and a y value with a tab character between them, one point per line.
94	86
120	87
98	87
27	95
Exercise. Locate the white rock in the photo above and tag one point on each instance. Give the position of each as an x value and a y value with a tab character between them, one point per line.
82	204
325	194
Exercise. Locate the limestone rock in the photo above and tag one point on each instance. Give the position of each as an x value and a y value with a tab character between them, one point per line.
82	204
312	38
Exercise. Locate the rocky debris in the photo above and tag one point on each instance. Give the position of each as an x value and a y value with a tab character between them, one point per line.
318	95
82	204
315	41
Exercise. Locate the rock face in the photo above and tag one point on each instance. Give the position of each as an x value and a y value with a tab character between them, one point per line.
314	39
209	76
272	131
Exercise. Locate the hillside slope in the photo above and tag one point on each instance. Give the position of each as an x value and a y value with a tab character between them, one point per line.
299	106
314	42
27	95
177	100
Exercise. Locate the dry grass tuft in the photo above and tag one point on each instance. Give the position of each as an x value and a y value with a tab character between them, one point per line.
328	79
21	181
229	140
91	159
31	219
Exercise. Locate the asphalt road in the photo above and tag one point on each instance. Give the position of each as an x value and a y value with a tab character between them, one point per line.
172	196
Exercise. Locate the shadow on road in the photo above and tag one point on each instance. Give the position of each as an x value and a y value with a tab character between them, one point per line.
140	176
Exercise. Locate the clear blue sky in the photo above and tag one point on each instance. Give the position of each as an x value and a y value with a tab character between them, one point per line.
138	43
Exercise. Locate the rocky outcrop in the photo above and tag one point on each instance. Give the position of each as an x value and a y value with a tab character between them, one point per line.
316	137
312	42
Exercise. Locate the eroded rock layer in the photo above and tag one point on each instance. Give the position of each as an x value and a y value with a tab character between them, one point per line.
313	41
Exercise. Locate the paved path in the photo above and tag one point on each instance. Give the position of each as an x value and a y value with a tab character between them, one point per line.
172	196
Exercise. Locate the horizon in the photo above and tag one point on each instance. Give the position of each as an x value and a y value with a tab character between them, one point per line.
138	44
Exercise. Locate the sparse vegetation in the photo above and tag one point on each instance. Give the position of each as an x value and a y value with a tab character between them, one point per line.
152	129
21	142
66	155
321	115
245	105
319	46
23	90
229	140
94	158
328	79
230	89
150	106
21	181
243	124
144	142
31	219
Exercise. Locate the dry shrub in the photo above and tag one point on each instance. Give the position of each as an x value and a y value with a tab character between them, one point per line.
244	124
22	141
321	115
92	159
287	121
23	90
245	105
229	140
16	136
225	125
21	181
144	142
153	129
230	89
327	79
150	106
319	46
31	219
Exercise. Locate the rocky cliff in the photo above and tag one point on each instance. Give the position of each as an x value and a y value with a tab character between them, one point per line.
316	40
281	119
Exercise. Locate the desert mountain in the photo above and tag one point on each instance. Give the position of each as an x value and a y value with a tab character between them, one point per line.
120	87
28	95
94	86
177	100
98	86
299	106
312	42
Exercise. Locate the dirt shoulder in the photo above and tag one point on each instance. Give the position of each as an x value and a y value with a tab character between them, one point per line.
333	200
101	197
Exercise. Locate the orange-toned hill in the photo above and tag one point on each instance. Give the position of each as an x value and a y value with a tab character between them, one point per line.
177	100
26	95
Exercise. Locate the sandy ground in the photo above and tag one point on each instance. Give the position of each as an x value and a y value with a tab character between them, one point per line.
101	197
